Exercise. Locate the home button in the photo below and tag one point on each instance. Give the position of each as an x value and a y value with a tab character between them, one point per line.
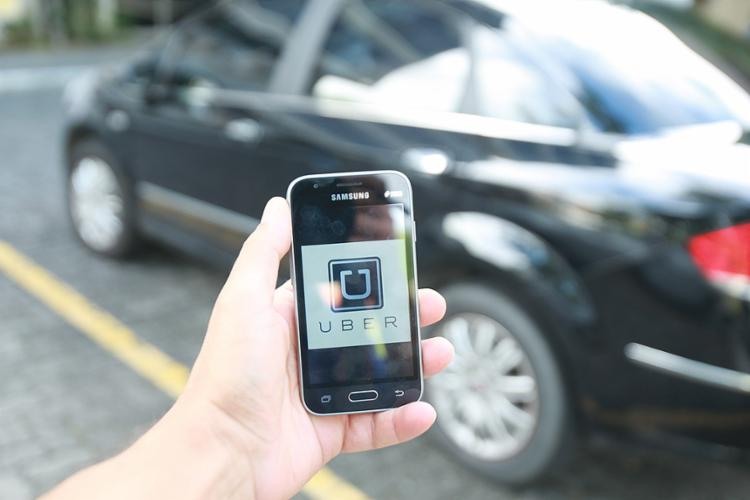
362	396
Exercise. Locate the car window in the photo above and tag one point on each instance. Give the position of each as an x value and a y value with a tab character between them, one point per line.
233	45
373	39
438	58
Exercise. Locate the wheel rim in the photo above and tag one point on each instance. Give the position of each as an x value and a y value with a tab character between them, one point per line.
487	398
96	203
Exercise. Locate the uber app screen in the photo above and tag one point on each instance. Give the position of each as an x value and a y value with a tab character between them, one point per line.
356	293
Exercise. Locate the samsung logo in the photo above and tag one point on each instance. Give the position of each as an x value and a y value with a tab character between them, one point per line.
364	195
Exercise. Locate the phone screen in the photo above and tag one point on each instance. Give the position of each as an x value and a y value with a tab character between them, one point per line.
355	286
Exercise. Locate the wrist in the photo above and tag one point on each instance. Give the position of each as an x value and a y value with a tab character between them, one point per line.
192	452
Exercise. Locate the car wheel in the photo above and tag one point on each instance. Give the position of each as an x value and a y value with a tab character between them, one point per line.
502	405
100	201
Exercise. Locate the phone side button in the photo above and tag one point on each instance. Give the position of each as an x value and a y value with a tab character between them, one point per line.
362	396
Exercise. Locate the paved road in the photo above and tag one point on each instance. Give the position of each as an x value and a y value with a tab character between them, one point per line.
64	402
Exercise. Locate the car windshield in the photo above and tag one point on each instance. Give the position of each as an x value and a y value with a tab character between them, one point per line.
622	83
535	66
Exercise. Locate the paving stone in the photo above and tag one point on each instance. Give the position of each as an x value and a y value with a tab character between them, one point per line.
15	487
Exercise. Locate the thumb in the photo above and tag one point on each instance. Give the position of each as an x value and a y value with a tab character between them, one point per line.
256	269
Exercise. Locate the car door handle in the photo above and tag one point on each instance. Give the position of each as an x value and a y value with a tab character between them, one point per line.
244	130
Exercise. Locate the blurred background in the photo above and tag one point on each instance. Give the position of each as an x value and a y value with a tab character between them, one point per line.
581	174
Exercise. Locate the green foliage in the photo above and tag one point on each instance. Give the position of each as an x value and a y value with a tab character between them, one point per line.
62	21
17	34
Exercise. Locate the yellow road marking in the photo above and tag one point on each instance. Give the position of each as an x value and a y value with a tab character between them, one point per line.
325	485
145	359
98	325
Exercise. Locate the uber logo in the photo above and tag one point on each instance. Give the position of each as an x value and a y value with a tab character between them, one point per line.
356	284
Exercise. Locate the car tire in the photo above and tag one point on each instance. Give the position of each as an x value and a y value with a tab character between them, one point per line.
100	200
552	436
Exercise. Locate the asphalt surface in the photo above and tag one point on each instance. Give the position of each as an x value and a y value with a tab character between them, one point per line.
65	402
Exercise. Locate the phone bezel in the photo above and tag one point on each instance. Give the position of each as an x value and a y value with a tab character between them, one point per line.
411	387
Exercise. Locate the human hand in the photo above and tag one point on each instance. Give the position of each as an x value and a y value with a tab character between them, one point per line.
239	430
247	374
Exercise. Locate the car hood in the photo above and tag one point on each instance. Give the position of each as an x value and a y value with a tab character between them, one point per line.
675	176
710	160
78	93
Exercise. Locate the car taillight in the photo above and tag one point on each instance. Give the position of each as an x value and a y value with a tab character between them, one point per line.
723	256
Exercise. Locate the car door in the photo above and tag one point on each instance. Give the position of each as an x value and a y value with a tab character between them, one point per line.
201	163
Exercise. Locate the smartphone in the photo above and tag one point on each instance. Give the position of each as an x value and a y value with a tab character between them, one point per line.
354	276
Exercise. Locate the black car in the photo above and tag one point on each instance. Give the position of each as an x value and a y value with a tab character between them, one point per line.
582	194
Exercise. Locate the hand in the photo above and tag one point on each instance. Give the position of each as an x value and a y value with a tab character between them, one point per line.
239	429
248	371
